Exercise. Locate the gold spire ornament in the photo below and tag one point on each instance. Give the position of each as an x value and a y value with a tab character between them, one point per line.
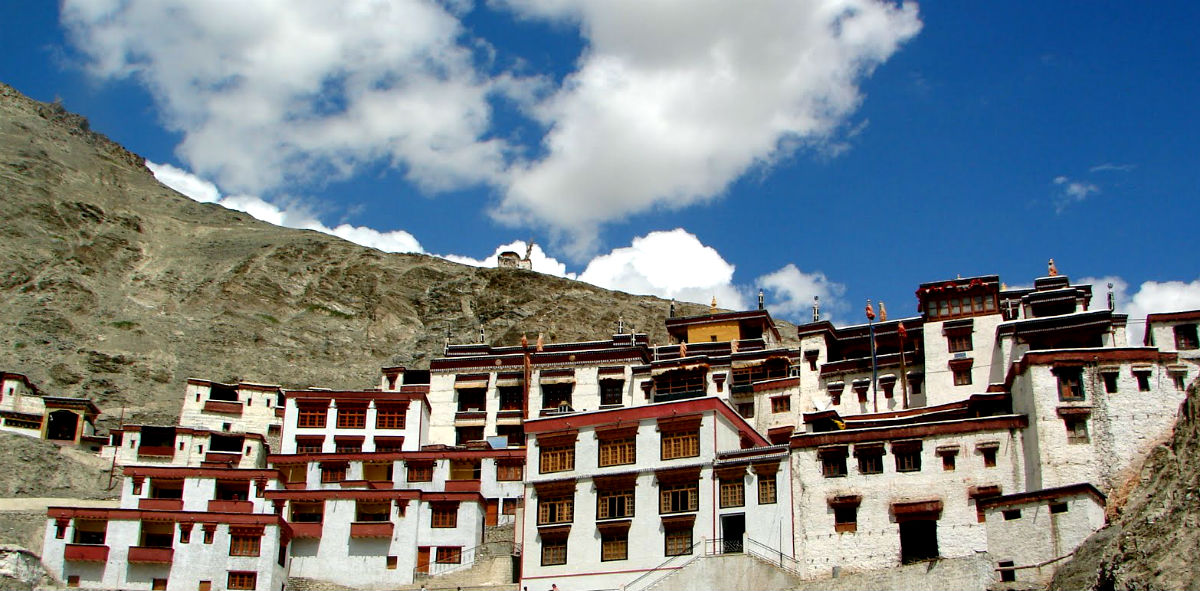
1052	270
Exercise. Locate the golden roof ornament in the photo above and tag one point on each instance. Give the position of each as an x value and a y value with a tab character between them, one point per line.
713	309
1052	270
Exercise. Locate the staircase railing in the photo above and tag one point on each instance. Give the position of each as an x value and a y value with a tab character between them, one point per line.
663	570
773	555
467	558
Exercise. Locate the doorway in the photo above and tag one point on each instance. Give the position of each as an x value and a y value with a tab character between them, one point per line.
62	425
732	529
918	540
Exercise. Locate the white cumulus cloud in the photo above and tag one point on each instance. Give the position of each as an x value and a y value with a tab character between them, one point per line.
1149	298
272	93
291	215
791	292
540	261
674	100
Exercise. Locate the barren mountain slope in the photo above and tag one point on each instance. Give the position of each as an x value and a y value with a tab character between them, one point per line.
115	287
1155	541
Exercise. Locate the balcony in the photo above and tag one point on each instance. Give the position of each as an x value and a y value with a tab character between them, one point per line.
371	529
511	416
380	484
223	407
150	555
156	451
221	506
223	457
471	417
86	553
462	486
161	504
306	530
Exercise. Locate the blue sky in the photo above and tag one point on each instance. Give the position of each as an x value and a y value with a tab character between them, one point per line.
846	149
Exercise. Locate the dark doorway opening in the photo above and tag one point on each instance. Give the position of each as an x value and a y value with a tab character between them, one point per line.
62	425
918	540
732	529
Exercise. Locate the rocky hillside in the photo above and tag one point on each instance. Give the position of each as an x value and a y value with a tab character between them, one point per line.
115	287
1154	542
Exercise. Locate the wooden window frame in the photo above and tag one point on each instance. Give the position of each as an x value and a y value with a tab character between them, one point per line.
554	551
680	497
448	555
1077	429
908	460
556	509
352	417
311	417
391	416
959	342
781	403
333	471
443	516
1070	383
677	540
419	472
621	500
680	444
614	545
242	580
558	458
732	492
962	376
617	452
245	544
768	490
506	472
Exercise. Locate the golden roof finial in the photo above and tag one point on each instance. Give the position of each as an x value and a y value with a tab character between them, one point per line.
713	310
1053	270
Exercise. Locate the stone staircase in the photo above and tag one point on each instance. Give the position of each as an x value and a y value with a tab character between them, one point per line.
728	571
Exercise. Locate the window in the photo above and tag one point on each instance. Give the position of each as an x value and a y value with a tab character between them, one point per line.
618	452
462	435
680	383
556	510
766	489
510	397
612	392
89	532
678	540
845	518
1178	378
1110	381
390	416
1070	383
352	416
770	369
908	460
614	545
310	416
511	505
959	342
465	470
209	532
309	445
444	515
509	472
614	504
72	580
1059	507
242	580
555	396
680	444
158	584
1186	337
420	472
833	465
1143	380
556	459
156	534
393	561
948	462
244	543
373	511
554	551
333	472
1077	431
204	586
1012	514
472	399
781	404
989	457
313	512
870	459
1008	574
377	471
185	533
449	555
733	492
676	498
348	446
746	409
962	376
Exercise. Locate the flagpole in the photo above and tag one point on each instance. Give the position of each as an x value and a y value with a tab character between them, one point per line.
874	367
903	371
